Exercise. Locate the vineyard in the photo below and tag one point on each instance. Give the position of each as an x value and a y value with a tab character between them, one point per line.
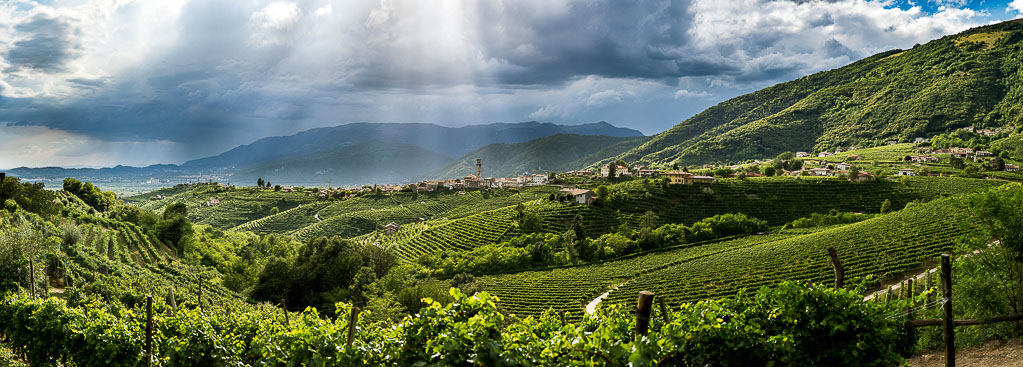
882	246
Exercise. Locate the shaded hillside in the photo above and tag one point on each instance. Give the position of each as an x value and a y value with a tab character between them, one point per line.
448	141
972	78
562	152
348	164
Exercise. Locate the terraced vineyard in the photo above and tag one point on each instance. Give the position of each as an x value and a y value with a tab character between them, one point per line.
570	288
232	207
781	199
885	153
881	246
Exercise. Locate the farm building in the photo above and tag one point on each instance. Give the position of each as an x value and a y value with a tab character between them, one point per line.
906	172
581	196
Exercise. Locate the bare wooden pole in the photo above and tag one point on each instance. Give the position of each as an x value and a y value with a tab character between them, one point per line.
837	264
32	276
947	322
352	320
664	310
149	330
562	314
643	305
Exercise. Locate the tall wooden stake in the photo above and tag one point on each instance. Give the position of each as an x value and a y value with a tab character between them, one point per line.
912	300
352	320
646	299
947	325
664	310
173	301
837	264
149	330
287	318
562	314
930	286
32	276
200	293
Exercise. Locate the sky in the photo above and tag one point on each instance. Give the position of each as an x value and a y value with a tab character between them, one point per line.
89	83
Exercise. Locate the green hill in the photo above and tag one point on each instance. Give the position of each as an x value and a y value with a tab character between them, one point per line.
972	78
562	152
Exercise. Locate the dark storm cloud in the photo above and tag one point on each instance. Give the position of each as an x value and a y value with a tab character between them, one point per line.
50	45
643	39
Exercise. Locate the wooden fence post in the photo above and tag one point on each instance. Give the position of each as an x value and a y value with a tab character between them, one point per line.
837	264
562	314
149	330
352	320
664	310
646	299
32	276
947	321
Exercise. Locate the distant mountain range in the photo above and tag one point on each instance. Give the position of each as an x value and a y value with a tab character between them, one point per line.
971	78
350	154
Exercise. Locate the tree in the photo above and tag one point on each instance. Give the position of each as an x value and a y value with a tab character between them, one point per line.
603	192
886	206
530	223
648	220
674	166
769	171
854	172
259	183
612	171
956	163
276	187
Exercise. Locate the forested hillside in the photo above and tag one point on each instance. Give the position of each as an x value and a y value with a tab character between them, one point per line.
972	78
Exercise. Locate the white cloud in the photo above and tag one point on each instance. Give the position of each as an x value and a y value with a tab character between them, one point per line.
38	146
1016	5
280	15
324	11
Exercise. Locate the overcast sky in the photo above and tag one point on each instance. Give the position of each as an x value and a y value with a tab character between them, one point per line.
106	82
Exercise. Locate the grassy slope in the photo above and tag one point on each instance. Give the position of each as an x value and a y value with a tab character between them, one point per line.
897	95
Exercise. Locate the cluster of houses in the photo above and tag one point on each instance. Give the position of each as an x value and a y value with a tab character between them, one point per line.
989	132
475	182
957	152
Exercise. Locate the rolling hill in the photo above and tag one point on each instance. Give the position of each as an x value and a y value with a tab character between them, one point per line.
562	152
972	78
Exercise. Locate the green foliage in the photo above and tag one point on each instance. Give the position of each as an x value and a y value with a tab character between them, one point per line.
830	219
1001	212
789	324
886	206
90	194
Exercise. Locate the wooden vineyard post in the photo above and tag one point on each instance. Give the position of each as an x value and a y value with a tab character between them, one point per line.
32	276
930	285
947	322
149	330
287	318
200	293
912	301
643	305
837	264
664	310
173	301
562	314
352	320
888	295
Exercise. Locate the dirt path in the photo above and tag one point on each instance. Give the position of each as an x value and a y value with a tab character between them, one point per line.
991	354
592	306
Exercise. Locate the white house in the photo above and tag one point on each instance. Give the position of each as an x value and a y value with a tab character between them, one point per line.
802	154
825	154
538	179
619	171
581	196
906	172
843	166
1011	168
